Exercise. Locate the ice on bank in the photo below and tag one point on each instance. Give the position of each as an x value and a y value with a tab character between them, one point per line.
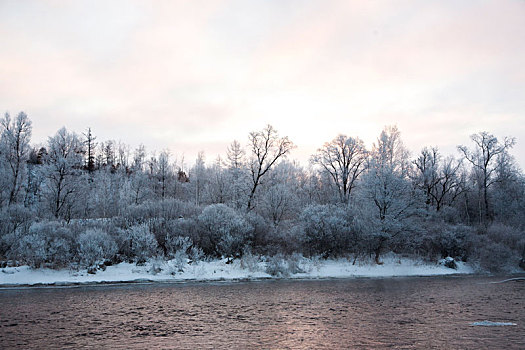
492	324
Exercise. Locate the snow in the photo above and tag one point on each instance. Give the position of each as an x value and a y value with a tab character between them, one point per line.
492	324
219	270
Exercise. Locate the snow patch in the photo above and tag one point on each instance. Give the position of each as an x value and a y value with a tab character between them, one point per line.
220	270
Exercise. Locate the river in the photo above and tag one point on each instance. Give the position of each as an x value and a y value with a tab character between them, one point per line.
404	313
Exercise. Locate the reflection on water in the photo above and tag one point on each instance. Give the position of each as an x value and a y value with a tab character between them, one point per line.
406	313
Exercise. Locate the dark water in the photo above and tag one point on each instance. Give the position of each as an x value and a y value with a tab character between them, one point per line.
404	313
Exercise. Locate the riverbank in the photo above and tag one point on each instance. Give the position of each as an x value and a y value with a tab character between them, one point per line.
222	270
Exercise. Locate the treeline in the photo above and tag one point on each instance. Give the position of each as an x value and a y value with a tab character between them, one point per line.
79	202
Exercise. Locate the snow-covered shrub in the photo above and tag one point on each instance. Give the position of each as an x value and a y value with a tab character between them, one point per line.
123	241
296	263
496	257
277	266
15	218
328	230
48	243
499	248
176	243
31	249
180	260
195	255
455	241
155	266
223	230
15	221
284	266
177	249
182	252
95	246
442	240
511	237
259	234
142	242
249	261
286	239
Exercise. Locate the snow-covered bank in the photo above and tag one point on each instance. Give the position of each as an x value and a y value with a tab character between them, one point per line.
166	271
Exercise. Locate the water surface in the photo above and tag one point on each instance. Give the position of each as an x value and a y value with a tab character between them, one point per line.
404	313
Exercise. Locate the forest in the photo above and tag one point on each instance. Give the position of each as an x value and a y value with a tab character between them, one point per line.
78	202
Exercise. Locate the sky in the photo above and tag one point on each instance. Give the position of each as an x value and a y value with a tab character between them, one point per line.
192	76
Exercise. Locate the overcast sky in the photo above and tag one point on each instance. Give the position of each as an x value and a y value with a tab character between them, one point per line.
195	75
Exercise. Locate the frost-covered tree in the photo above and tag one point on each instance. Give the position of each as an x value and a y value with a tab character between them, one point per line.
217	189
508	192
63	166
483	158
387	192
123	154
139	158
199	178
163	173
139	189
441	180
237	174
344	160
107	196
108	153
279	199
14	150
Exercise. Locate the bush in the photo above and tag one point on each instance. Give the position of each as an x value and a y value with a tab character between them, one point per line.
47	244
443	240
142	243
32	250
277	266
500	248
176	244
495	257
15	221
508	236
281	266
95	246
328	230
224	231
249	261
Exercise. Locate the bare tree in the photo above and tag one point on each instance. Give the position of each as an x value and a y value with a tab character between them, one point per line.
451	183
344	159
483	158
266	147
